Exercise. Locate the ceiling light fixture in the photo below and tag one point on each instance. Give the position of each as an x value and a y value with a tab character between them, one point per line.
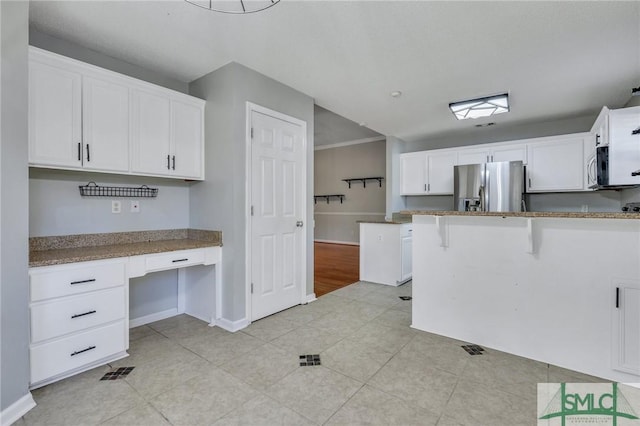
396	94
481	107
237	7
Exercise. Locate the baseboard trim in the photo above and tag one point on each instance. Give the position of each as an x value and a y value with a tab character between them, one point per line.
347	243
309	298
137	322
232	326
12	413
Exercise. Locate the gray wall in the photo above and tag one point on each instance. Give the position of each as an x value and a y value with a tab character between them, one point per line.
219	202
337	222
598	201
153	293
58	209
14	232
75	51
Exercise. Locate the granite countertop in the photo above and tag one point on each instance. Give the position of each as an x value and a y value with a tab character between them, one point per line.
568	215
45	251
384	222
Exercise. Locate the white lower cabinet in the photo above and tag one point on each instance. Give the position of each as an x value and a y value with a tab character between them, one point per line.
77	351
626	327
78	317
385	253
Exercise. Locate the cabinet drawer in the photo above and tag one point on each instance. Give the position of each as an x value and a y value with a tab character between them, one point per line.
174	259
64	280
69	353
406	230
75	313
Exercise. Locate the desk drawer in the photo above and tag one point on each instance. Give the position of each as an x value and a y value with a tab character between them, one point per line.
75	351
64	280
406	230
174	259
76	313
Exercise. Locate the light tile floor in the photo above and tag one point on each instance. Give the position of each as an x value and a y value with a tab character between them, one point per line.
375	370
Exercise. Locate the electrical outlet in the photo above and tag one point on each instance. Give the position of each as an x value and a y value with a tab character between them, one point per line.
379	237
135	206
116	206
585	208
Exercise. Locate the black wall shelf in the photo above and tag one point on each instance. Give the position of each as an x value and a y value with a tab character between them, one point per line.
364	180
93	190
328	197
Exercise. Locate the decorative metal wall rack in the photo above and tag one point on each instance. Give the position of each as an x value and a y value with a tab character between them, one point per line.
94	190
364	180
328	197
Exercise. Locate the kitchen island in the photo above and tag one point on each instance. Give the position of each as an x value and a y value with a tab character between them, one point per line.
560	288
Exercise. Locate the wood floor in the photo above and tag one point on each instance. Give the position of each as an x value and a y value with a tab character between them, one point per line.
336	266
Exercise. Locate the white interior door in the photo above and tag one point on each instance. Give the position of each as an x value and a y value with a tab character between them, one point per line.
277	201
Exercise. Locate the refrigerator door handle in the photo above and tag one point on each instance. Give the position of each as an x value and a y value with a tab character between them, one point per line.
481	194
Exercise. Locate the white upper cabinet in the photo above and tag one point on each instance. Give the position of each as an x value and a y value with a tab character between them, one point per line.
556	164
624	139
151	134
85	117
440	171
510	152
105	130
600	128
413	173
427	172
55	113
186	137
493	153
167	136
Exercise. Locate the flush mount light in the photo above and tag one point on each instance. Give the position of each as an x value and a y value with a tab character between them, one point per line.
481	107
237	7
396	94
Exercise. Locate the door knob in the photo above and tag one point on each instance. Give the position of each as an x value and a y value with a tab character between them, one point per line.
299	224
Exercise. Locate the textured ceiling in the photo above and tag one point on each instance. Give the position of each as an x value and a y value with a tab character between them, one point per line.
556	59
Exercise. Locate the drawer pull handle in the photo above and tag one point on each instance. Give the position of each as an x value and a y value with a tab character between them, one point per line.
83	281
81	315
84	350
180	260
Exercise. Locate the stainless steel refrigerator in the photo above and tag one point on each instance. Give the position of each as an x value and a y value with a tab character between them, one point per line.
490	187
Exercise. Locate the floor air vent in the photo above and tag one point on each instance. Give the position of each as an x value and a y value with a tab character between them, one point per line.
473	349
120	373
309	360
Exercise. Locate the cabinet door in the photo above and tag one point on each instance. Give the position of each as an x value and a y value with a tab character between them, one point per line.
600	128
105	125
151	121
556	165
413	174
440	172
510	153
54	116
624	154
626	328
473	156
187	139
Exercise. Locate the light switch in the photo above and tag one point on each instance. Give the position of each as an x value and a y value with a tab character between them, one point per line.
116	206
135	206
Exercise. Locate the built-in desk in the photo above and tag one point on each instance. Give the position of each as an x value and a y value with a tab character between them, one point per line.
79	293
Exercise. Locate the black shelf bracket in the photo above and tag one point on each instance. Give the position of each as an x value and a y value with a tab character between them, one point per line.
328	197
364	180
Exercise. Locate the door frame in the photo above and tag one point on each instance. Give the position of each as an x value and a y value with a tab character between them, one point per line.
250	108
